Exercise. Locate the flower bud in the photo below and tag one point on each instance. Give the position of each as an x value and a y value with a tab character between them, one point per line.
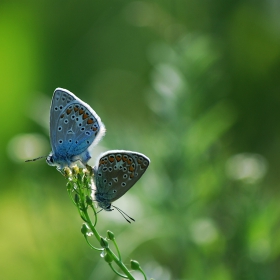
104	243
84	229
89	169
134	265
107	258
88	200
76	198
110	235
70	186
67	172
75	170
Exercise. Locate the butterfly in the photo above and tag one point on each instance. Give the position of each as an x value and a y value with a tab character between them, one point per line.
74	128
115	173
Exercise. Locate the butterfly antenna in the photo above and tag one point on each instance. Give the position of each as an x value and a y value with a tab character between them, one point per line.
124	214
35	159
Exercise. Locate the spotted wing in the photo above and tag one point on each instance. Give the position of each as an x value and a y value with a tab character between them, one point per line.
74	125
117	171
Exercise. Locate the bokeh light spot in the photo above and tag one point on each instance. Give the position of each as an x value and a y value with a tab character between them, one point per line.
203	231
249	168
260	250
27	146
167	80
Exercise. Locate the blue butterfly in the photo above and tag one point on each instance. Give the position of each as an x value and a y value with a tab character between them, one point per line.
74	128
115	173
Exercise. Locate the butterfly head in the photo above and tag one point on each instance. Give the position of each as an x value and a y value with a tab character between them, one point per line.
105	206
53	161
50	160
103	203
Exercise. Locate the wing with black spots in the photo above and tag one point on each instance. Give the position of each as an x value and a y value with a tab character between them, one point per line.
117	171
74	125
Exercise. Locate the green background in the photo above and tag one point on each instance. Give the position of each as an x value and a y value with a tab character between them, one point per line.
195	86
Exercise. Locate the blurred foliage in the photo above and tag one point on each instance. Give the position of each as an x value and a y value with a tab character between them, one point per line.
195	86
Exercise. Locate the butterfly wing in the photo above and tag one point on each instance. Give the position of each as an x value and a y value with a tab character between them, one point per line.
117	171
60	99
74	127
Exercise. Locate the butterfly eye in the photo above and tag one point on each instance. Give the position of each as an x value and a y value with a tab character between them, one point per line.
50	159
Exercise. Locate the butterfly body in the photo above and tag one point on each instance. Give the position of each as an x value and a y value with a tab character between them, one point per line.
115	173
74	128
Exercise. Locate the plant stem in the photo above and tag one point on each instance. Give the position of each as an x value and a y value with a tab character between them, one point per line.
108	250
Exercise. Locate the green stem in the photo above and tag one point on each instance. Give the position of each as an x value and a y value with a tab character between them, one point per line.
95	215
91	226
82	206
117	248
119	264
97	249
69	190
108	250
142	271
121	275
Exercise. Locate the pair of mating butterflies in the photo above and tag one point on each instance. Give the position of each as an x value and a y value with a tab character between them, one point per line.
74	128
